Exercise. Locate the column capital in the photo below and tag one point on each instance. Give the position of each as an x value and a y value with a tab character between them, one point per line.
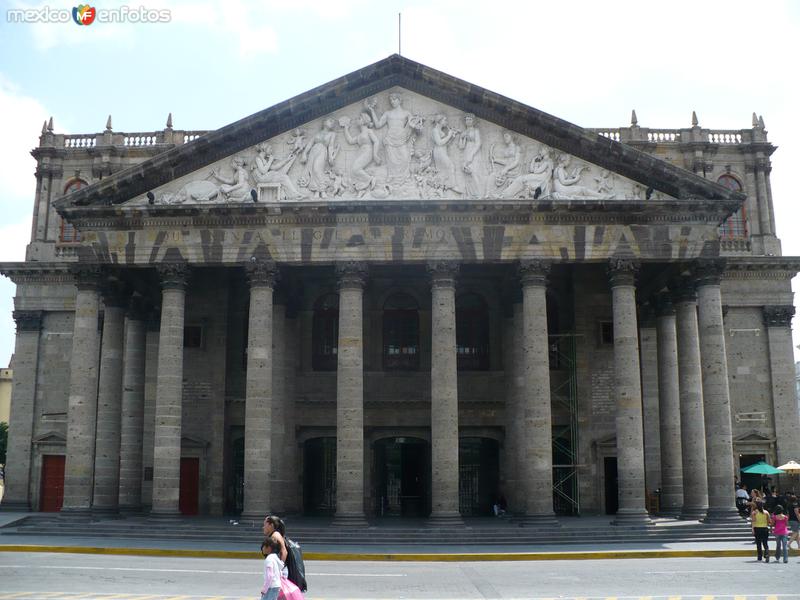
662	304
533	272
622	271
443	273
682	289
778	316
28	320
114	294
708	271
261	273
87	277
173	275
136	308
352	274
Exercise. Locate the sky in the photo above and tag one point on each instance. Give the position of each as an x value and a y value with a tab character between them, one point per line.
212	63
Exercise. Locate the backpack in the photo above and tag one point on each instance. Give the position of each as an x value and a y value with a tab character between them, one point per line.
295	565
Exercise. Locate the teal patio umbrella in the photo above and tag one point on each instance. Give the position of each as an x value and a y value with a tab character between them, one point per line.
761	468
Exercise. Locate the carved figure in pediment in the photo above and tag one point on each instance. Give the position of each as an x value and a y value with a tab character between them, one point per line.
318	155
606	183
367	154
193	192
538	182
268	169
442	135
566	183
470	142
401	127
236	188
504	158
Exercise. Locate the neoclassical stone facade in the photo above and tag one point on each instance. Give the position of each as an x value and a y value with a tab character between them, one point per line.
400	294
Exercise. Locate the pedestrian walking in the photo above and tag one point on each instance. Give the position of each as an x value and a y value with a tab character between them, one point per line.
793	510
779	528
759	521
275	529
272	569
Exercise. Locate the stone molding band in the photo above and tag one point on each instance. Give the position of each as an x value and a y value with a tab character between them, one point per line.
28	320
778	316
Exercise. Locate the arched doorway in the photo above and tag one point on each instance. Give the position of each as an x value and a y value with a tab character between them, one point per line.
319	476
479	463
402	477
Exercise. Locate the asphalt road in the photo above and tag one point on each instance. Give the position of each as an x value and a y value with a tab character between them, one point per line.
29	576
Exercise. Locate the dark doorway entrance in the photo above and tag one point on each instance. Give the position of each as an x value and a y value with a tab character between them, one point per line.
319	476
402	477
752	480
52	490
478	466
189	486
612	489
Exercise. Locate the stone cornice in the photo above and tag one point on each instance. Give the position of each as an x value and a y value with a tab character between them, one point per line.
385	74
27	273
762	267
667	211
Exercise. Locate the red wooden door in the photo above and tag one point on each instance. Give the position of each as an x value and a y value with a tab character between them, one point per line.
190	486
52	493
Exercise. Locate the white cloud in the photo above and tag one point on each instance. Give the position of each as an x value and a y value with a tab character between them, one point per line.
21	128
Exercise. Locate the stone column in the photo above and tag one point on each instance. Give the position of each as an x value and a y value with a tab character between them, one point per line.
628	390
778	320
153	325
716	396
169	392
282	468
536	464
82	406
132	422
350	397
109	405
511	442
16	496
258	403
690	388
669	409
444	395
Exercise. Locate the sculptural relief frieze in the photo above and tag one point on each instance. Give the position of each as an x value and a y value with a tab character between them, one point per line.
397	145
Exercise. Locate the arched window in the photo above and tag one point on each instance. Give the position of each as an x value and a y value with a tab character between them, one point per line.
735	226
67	232
401	333
325	333
472	333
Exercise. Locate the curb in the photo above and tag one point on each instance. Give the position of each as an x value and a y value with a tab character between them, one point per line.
409	557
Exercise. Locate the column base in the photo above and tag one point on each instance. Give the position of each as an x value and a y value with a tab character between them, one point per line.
351	521
632	517
693	513
105	513
722	515
445	520
12	506
76	514
165	516
538	521
130	511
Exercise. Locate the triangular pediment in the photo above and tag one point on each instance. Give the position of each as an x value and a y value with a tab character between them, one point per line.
50	437
397	145
318	145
